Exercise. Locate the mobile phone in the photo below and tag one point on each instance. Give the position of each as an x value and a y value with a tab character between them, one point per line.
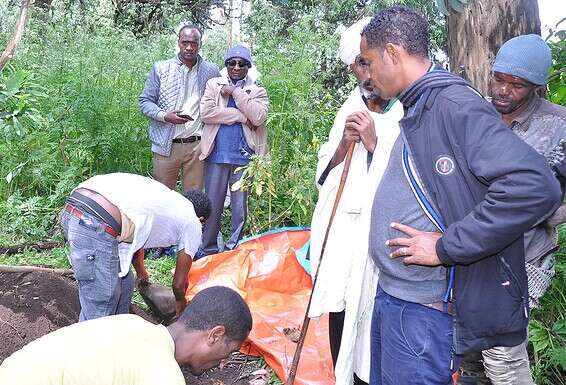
185	116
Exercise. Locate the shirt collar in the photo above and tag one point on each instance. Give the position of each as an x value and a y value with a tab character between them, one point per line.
240	83
180	63
533	106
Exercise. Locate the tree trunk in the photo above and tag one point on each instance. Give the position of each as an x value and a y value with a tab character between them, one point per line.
476	34
230	22
16	37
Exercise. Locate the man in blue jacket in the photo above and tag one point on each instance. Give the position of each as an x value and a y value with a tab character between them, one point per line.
171	99
449	214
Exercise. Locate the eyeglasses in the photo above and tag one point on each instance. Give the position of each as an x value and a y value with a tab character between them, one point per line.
240	63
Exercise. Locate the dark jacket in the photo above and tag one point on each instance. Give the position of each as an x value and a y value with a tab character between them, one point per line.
489	188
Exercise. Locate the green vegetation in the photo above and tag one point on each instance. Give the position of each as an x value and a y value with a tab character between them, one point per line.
69	110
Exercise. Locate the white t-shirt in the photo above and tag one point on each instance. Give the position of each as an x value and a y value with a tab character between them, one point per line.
116	350
162	217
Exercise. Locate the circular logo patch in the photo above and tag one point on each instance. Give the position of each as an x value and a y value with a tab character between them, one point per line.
444	165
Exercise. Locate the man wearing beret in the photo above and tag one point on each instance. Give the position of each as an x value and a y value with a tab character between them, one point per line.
234	110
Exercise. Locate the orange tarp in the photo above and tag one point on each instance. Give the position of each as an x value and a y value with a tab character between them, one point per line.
265	271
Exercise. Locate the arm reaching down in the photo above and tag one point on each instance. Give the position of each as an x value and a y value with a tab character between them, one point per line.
181	279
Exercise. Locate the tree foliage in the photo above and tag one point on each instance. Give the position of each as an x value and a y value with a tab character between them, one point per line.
69	110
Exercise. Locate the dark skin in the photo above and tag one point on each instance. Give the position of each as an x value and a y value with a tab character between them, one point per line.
200	350
189	45
510	95
180	276
359	126
391	70
236	72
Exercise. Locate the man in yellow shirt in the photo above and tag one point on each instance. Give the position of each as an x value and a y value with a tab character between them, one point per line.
127	350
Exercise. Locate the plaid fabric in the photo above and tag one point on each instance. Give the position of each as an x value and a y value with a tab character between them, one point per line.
164	92
539	278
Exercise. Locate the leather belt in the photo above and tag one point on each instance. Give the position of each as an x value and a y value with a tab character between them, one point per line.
442	307
79	214
190	139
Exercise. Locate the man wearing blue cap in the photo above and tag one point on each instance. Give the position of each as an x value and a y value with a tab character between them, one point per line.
520	70
234	110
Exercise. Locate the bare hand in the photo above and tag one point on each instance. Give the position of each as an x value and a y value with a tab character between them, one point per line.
360	127
172	117
142	279
227	90
419	249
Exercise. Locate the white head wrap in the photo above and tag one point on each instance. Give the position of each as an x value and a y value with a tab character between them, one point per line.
350	41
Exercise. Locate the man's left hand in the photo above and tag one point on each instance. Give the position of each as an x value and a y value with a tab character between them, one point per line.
419	249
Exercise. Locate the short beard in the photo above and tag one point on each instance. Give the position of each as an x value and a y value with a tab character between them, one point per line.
368	91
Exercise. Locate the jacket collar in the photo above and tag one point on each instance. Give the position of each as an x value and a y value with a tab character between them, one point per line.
225	80
436	78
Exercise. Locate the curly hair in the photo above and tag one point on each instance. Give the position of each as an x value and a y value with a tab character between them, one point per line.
398	25
219	305
200	201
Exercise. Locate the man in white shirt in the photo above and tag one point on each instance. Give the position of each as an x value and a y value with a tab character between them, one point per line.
109	219
347	277
128	350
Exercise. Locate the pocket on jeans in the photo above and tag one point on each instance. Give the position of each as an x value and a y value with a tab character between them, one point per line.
83	264
415	329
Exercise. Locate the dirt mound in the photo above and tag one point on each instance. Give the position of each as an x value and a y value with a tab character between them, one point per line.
32	305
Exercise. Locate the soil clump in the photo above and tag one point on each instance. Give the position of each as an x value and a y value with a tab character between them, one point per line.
33	304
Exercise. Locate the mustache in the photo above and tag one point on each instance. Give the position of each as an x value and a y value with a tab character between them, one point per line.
368	91
498	99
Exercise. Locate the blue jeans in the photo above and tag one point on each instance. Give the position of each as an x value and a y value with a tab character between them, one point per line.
95	262
410	343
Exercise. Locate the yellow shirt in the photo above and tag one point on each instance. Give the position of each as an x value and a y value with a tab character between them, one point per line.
117	350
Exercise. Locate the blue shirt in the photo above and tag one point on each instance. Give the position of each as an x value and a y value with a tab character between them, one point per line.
230	146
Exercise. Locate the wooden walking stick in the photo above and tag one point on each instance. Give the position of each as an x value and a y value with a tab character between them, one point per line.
306	321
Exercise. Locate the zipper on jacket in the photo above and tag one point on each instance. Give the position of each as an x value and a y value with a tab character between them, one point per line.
514	277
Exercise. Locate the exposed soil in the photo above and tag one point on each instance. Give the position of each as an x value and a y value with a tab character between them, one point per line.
33	304
36	303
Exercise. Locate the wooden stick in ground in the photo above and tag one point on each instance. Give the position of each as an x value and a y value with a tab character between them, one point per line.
306	321
17	36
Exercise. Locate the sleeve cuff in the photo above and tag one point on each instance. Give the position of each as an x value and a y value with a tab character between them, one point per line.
442	254
160	116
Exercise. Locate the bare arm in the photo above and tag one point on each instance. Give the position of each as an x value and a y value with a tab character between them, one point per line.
142	276
181	279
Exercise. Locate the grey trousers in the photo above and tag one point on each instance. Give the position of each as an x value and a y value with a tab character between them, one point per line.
217	177
508	365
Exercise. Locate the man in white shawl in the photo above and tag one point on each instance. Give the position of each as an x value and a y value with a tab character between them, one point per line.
347	278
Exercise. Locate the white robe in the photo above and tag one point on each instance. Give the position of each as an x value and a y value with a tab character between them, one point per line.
347	279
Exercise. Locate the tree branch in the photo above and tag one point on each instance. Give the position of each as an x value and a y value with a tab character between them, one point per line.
30	269
15	249
17	36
